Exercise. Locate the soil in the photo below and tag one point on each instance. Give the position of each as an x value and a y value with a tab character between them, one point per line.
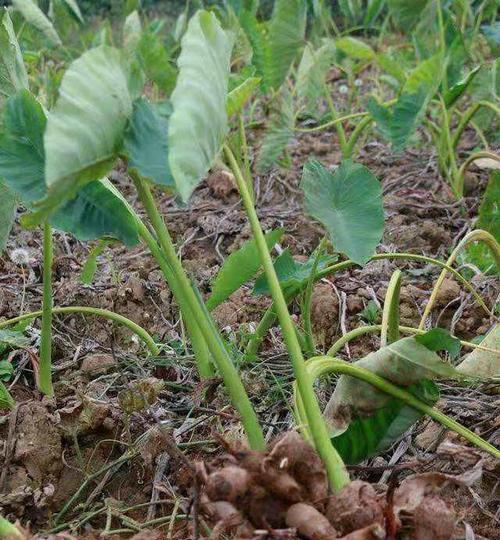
91	459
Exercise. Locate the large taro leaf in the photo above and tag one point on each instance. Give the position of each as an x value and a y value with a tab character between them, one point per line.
292	275
484	363
279	131
36	17
13	76
276	42
145	143
348	202
399	122
406	13
478	253
371	435
368	418
85	128
238	268
198	124
96	210
311	75
8	205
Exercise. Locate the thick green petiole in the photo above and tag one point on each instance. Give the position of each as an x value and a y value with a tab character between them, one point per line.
201	352
334	465
232	381
45	371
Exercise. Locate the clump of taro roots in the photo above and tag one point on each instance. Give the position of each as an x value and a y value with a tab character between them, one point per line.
283	493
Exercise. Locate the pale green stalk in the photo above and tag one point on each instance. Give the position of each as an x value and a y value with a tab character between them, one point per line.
334	465
460	178
45	370
466	117
232	381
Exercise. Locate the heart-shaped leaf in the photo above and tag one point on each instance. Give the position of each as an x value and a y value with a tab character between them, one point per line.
13	76
348	202
85	128
198	124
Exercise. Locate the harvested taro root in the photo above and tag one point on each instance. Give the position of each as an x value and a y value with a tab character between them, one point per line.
283	493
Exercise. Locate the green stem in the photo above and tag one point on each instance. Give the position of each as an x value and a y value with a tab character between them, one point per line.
87	310
373	329
390	314
452	175
232	382
245	154
45	372
355	135
473	236
460	174
325	364
339	128
269	317
334	465
200	348
466	117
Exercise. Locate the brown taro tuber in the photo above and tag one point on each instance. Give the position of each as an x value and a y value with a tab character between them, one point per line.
309	522
355	507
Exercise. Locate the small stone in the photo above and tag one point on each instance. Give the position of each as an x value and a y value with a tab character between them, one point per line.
98	364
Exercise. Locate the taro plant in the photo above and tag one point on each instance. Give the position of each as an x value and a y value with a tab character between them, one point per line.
100	116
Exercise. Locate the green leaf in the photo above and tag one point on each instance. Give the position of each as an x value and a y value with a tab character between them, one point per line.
406	14
97	212
8	206
85	128
239	268
489	220
277	42
6	402
439	339
372	435
370	313
13	339
94	212
239	96
291	274
198	124
90	267
458	89
348	202
400	122
22	159
279	131
36	17
74	9
481	363
146	142
405	363
6	370
355	48
311	75
492	34
156	63
13	74
132	31
390	315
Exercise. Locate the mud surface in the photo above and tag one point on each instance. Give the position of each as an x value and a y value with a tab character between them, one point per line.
91	458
